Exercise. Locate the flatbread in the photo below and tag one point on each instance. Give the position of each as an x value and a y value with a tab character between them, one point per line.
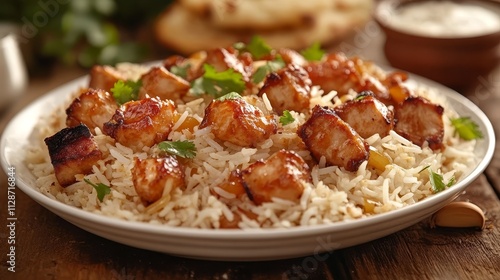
257	14
185	32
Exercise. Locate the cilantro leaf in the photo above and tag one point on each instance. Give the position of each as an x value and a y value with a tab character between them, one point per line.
218	83
258	48
313	53
180	70
124	91
101	189
270	66
231	95
184	149
286	118
437	182
466	128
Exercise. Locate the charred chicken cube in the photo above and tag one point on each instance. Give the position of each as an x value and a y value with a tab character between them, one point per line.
420	121
104	77
188	68
325	134
93	108
341	74
72	151
156	177
141	123
223	59
159	82
290	56
367	116
238	122
282	176
288	89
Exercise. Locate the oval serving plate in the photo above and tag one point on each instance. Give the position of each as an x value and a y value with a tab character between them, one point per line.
236	245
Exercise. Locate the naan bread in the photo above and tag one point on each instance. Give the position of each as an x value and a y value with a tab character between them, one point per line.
179	29
257	14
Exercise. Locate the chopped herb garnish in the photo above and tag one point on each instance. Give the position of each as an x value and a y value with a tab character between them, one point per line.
125	91
270	66
437	181
286	118
313	53
218	84
258	48
231	95
240	46
466	128
184	149
181	70
101	189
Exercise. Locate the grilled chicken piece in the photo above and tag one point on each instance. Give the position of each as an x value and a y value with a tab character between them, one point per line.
290	56
339	73
93	108
223	59
104	77
191	65
419	120
156	177
72	151
238	122
325	134
367	116
160	82
282	176
141	123
288	89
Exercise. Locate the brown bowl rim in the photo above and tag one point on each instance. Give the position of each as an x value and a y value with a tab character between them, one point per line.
392	4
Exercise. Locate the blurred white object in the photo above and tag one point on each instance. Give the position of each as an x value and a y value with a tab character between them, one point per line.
13	74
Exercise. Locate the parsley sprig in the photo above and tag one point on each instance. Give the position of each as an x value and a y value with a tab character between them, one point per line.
125	91
286	118
466	128
270	66
257	47
184	149
313	53
216	83
181	70
437	180
101	189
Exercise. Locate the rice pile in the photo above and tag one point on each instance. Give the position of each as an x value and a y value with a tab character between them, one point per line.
334	195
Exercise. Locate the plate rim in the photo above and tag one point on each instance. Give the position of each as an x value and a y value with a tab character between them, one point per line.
246	234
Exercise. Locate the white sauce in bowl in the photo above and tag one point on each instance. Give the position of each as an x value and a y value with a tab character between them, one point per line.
445	19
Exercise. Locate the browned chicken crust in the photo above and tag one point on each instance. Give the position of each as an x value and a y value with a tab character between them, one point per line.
238	122
282	175
93	108
288	89
367	116
72	151
152	175
159	82
325	134
104	77
141	123
420	121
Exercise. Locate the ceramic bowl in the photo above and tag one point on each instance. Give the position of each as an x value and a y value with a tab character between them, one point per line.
455	60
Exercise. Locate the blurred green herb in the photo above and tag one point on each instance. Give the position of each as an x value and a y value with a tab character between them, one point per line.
313	53
286	118
270	66
84	32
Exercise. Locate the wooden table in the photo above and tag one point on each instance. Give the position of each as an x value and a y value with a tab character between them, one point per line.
48	247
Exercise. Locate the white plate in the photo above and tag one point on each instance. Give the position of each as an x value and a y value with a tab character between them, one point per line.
235	245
